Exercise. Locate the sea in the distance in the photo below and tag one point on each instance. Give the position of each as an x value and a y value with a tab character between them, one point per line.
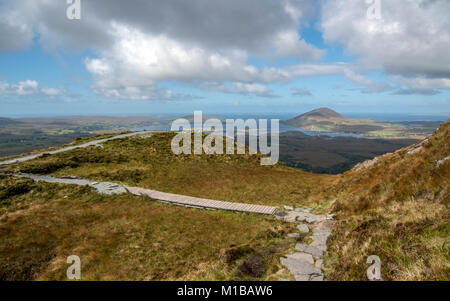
285	128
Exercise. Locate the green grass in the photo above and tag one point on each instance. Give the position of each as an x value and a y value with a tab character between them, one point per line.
397	209
124	237
150	163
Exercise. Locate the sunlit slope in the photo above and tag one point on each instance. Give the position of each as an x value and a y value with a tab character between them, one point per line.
396	207
150	163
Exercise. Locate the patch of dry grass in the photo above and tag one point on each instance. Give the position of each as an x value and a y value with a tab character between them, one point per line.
124	237
397	209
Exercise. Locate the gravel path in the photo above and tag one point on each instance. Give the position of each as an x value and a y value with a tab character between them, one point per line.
68	148
101	187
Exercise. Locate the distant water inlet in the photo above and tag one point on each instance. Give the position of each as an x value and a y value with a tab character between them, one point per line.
212	144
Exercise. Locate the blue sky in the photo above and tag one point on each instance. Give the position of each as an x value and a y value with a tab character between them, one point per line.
306	55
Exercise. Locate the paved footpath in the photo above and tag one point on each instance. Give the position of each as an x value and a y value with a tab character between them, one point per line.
68	148
306	263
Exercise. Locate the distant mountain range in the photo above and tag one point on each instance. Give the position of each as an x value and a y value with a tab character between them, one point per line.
327	120
8	121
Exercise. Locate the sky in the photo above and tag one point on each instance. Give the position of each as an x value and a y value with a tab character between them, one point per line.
143	57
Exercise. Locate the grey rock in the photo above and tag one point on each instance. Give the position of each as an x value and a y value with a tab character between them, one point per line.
414	150
320	238
310	250
291	217
290	208
312	218
299	267
281	213
319	246
301	218
316	278
302	256
366	164
303	228
303	210
318	264
440	162
302	277
321	231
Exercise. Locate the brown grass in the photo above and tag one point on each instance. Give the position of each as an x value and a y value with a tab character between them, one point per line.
127	238
150	163
397	209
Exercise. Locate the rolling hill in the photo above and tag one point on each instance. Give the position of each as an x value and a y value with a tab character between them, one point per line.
395	206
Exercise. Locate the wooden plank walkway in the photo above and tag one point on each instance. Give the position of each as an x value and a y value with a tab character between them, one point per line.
199	202
176	199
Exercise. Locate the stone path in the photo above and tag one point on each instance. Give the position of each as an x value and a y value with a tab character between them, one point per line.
306	263
68	148
101	187
176	199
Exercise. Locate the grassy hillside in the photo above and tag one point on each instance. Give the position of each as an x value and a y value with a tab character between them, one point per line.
150	163
398	209
124	237
23	135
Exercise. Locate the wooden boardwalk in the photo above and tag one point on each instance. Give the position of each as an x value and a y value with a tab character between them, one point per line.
176	199
200	203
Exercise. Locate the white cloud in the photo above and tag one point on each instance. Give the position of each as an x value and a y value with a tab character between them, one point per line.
237	88
209	43
28	87
412	38
199	40
368	85
51	91
138	60
256	89
15	32
289	44
422	82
